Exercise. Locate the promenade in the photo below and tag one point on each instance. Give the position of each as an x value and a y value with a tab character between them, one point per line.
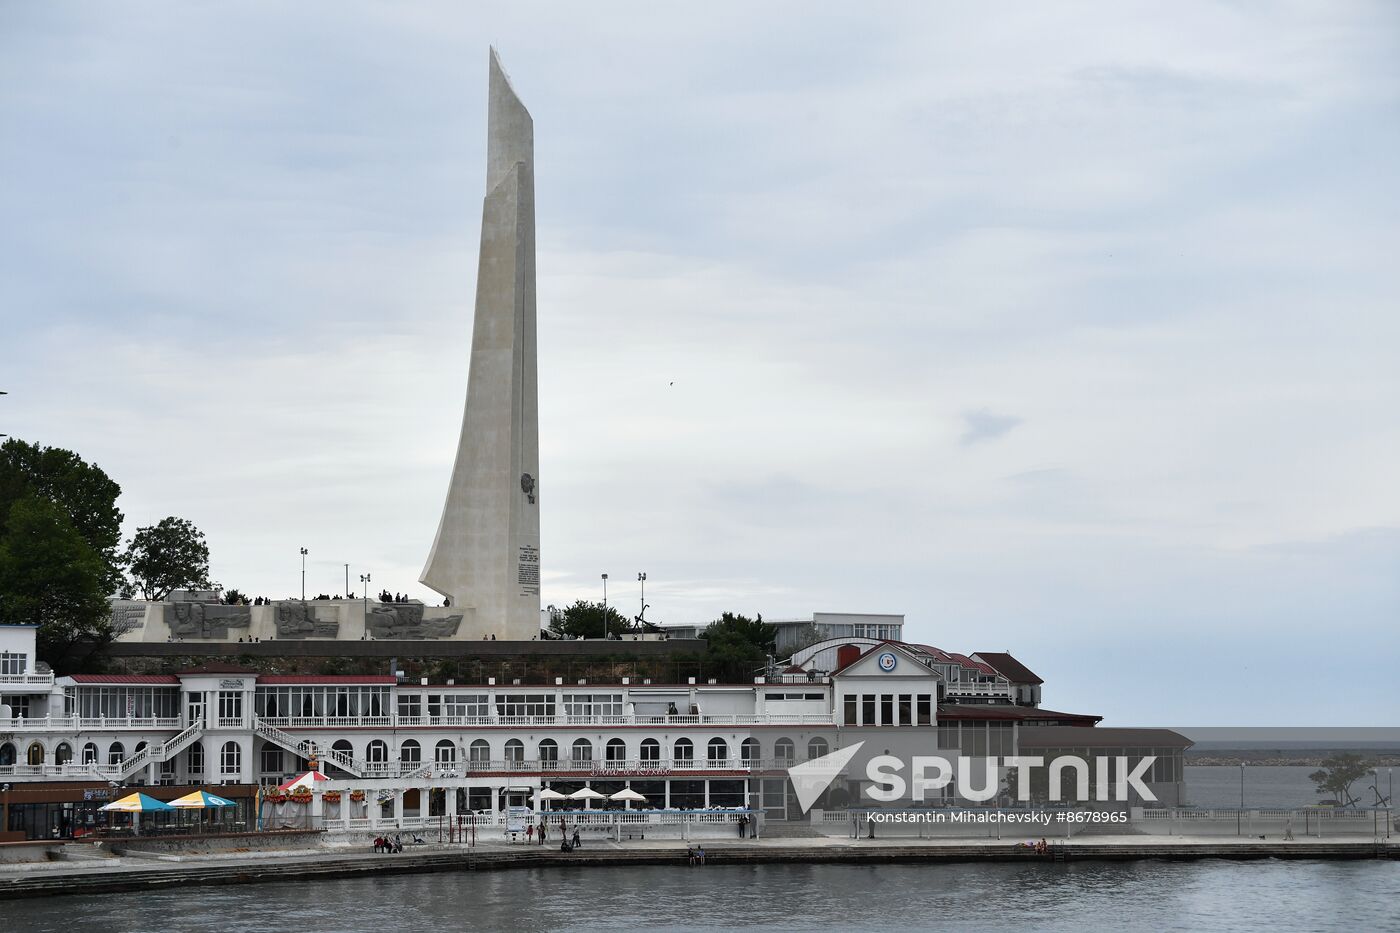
94	872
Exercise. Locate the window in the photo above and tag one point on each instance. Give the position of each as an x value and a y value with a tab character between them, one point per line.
718	751
817	748
886	710
549	753
515	751
230	760
378	752
684	751
344	747
480	752
616	750
196	759
851	702
749	751
582	751
90	754
13	662
7	755
462	704
906	709
63	754
593	704
116	752
124	702
925	717
525	704
270	760
35	755
867	709
410	752
651	750
230	704
410	705
445	753
784	751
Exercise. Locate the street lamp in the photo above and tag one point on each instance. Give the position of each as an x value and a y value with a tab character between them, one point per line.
303	574
364	578
605	607
1241	785
642	579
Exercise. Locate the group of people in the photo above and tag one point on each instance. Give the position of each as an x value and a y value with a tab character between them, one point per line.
696	854
386	597
389	846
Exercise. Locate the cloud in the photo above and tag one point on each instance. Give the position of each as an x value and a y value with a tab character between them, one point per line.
982	425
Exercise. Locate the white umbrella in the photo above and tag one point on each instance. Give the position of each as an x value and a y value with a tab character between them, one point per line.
586	794
628	793
550	793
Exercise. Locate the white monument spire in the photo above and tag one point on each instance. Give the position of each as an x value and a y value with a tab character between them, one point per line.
486	556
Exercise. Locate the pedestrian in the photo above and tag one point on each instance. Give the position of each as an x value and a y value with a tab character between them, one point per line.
530	834
700	855
544	827
690	854
575	840
743	824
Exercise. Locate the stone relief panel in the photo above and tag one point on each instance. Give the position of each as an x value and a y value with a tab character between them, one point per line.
127	619
298	620
405	620
207	621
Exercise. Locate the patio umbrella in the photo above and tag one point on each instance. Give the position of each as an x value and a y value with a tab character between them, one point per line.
305	781
550	793
200	800
586	793
136	803
628	793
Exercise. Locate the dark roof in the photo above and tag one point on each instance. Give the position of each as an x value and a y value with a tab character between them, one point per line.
328	679
1009	667
1101	737
124	678
1007	713
218	667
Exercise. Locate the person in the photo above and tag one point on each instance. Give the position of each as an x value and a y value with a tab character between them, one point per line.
700	854
743	825
530	834
575	840
398	843
544	827
690	854
379	843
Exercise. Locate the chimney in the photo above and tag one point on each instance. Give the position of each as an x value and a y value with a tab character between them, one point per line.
845	654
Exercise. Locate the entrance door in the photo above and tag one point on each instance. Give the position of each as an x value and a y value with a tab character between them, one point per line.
194	709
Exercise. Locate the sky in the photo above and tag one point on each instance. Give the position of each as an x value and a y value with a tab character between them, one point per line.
1065	329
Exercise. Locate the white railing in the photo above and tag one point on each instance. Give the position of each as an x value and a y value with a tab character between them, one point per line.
628	767
86	724
541	722
307	748
27	680
977	690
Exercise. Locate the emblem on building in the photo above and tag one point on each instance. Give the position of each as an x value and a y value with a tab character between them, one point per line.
888	661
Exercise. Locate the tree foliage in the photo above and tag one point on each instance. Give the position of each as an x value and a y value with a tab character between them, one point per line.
1337	775
86	495
51	575
737	647
170	555
585	619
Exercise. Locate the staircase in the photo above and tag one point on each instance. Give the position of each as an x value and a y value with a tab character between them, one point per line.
150	754
308	748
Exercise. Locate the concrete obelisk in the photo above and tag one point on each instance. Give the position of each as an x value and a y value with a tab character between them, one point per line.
486	556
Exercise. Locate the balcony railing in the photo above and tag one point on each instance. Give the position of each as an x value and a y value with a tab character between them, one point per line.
27	680
87	724
542	722
977	690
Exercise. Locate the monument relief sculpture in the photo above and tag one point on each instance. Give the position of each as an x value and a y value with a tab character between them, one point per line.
210	621
405	620
296	619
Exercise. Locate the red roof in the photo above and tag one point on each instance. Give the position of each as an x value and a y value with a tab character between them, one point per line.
124	678
218	667
1009	667
327	679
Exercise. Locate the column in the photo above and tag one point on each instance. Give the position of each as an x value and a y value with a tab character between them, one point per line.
372	806
398	809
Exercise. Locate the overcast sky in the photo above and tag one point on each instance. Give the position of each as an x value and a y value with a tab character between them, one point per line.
1065	329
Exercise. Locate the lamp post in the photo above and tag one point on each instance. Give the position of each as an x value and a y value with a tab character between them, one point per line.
347	581
303	574
1241	785
642	579
364	578
605	607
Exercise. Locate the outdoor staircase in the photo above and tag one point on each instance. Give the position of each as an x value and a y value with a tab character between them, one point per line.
309	748
150	754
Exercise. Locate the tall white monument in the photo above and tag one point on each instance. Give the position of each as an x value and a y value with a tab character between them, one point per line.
486	556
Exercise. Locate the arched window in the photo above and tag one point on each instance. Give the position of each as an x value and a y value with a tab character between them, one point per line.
817	748
115	753
684	751
445	753
378	752
344	747
480	752
410	752
549	754
718	751
749	751
90	753
140	747
582	751
651	750
515	751
8	754
616	750
230	760
63	754
35	755
784	751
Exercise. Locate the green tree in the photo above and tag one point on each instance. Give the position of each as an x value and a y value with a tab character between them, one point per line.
737	647
51	576
1337	775
585	619
170	555
87	496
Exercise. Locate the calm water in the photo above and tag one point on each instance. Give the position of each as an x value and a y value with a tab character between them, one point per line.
1265	896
